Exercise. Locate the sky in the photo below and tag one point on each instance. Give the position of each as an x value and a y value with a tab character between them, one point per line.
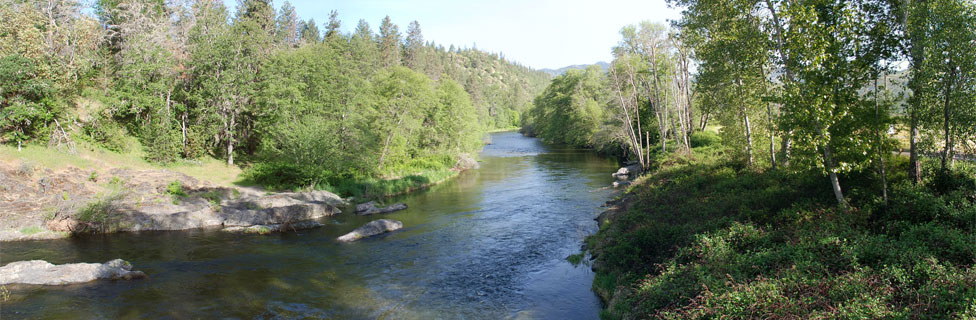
536	33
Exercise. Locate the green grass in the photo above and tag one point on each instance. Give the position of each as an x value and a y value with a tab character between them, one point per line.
90	157
417	174
706	237
31	230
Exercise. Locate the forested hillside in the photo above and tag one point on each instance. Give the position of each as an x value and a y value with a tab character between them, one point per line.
300	104
772	133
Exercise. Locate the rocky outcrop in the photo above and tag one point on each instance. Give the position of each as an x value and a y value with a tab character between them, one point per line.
371	229
44	273
273	212
45	203
365	209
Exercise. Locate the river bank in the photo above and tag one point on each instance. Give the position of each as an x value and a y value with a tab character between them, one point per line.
706	237
489	243
46	194
47	204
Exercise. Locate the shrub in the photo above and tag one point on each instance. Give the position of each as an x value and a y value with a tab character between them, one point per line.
175	189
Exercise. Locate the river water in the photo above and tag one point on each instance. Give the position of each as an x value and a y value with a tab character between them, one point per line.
489	244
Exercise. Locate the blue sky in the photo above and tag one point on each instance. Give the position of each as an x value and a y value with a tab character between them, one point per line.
540	34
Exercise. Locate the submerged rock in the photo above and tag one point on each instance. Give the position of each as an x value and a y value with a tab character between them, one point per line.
365	209
269	228
44	273
371	229
618	184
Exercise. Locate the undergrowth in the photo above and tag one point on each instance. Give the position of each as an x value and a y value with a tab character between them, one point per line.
707	237
418	174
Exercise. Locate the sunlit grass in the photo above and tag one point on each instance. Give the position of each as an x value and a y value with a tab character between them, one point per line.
89	157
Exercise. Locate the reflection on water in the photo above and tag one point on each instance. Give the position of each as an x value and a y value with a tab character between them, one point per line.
489	244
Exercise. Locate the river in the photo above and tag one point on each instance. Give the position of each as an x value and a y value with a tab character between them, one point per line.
489	244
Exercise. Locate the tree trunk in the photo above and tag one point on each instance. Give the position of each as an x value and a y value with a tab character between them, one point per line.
945	120
786	147
769	116
704	120
834	182
779	39
881	149
914	170
389	138
745	115
748	136
183	129
915	102
230	140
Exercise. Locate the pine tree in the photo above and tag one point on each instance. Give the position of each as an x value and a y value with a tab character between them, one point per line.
389	43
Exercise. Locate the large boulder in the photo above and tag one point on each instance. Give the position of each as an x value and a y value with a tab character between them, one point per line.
466	162
371	229
631	170
365	209
44	273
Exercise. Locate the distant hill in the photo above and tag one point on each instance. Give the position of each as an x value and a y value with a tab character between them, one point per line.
555	72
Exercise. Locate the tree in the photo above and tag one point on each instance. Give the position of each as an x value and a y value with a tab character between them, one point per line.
570	109
389	43
26	100
831	53
310	32
288	26
332	28
413	48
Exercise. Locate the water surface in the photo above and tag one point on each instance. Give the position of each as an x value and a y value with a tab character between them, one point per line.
490	243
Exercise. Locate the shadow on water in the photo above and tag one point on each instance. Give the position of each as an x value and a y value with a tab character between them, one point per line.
490	243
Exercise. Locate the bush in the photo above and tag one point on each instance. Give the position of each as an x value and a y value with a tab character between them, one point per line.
107	134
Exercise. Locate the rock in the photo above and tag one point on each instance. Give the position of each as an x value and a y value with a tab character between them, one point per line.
44	273
365	209
267	229
618	184
371	229
633	169
466	162
621	177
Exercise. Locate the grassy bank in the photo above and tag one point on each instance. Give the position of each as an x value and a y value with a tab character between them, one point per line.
415	175
90	157
706	237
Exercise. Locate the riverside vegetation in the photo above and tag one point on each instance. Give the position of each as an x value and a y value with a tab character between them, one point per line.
775	186
296	106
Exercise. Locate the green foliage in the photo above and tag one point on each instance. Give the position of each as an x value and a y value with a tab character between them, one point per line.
98	215
570	110
175	188
26	100
705	139
706	238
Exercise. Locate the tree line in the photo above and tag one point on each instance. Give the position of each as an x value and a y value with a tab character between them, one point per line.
793	84
193	78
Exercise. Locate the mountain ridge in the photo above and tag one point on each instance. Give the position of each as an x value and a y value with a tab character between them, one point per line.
555	72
